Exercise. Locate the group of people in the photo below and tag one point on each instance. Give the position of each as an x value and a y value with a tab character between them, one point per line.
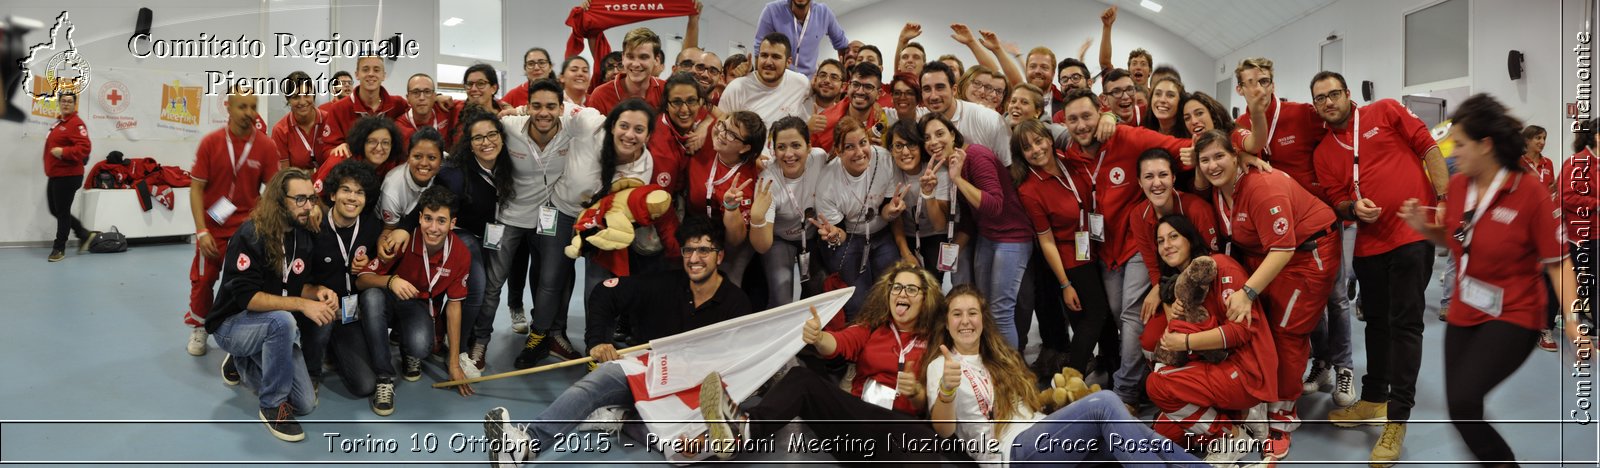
752	182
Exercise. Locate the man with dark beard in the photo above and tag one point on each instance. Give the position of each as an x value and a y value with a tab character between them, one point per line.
862	86
253	317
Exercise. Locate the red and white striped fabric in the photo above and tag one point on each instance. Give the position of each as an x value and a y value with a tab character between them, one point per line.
747	351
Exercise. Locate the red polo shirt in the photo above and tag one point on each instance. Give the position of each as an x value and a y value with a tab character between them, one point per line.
239	181
1271	212
518	96
69	134
606	96
1294	131
302	150
1580	195
443	120
343	113
1393	144
1511	245
443	274
1115	180
668	144
1142	226
1059	205
1543	169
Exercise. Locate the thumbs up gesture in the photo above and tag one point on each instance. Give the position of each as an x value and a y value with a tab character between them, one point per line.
812	329
952	370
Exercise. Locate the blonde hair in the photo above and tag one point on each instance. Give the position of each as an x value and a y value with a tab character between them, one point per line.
1261	63
1013	382
1041	50
640	36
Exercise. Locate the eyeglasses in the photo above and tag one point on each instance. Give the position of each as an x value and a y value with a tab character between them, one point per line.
686	64
986	89
478	84
862	86
1330	96
537	63
681	103
898	147
380	143
905	290
691	252
726	131
1121	92
1073	78
476	139
903	94
707	69
1262	82
300	200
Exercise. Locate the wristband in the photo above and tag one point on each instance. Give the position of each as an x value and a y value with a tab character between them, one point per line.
943	392
202	233
1250	292
1186	345
729	207
389	284
1066	285
925	196
762	225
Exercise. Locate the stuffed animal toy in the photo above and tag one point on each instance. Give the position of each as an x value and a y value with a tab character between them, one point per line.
1065	388
1190	287
608	228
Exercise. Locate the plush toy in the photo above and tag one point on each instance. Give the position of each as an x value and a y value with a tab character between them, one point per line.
608	228
1191	287
1065	388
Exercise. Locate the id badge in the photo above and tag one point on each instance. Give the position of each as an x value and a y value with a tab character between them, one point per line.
349	309
491	235
547	220
804	260
1481	295
878	394
1080	245
948	253
221	210
1097	227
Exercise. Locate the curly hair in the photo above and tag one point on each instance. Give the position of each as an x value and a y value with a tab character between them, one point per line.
875	313
363	129
363	173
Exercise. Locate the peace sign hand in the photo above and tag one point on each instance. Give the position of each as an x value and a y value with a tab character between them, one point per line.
734	196
930	178
957	161
827	231
763	199
897	204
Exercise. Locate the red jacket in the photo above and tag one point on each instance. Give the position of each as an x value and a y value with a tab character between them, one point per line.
72	137
876	354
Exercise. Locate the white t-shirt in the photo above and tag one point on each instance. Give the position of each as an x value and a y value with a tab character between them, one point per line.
791	197
916	218
792	96
846	200
536	172
400	194
977	124
972	423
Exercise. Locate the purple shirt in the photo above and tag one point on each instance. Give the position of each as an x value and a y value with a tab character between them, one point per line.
819	21
1000	218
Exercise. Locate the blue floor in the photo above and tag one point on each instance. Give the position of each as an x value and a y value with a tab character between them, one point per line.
95	346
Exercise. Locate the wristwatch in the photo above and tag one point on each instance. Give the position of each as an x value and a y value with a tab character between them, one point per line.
1250	292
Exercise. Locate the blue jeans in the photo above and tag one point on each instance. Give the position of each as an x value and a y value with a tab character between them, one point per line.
412	321
265	348
1330	341
1125	290
998	267
477	281
606	386
1100	417
780	264
847	261
556	276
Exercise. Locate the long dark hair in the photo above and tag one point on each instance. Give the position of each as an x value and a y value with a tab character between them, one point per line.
1219	115
608	147
467	163
1481	116
1019	142
1179	130
1185	228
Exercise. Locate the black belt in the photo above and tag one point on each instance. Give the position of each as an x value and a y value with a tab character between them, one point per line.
1310	243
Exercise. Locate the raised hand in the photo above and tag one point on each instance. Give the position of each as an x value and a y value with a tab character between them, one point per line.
763	199
910	31
988	40
930	177
817	123
1109	16
734	196
897	204
961	34
906	384
812	329
827	231
957	161
952	370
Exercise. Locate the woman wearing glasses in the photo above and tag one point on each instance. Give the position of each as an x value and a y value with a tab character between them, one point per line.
721	175
1504	238
926	223
784	199
856	201
483	85
904	94
983	86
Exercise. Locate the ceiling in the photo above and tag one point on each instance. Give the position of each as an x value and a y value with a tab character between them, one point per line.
1217	27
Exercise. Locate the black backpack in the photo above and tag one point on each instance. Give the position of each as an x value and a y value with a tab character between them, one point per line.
109	242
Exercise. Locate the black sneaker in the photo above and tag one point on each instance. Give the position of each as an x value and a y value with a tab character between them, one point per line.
83	244
280	422
413	371
536	349
383	397
230	372
513	448
723	418
561	347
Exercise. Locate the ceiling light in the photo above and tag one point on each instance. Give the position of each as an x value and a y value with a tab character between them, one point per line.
455	21
1152	6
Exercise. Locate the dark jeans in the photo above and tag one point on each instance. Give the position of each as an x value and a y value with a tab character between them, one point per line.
380	309
847	261
1476	360
1393	297
348	343
804	394
59	192
520	274
1095	324
1041	297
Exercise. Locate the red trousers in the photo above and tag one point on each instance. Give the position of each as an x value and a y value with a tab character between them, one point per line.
203	275
1294	303
1198	401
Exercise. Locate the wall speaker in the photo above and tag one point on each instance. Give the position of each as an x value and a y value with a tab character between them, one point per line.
1514	64
142	25
1366	90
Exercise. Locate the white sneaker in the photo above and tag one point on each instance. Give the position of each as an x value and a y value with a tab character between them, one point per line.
514	442
1227	457
604	419
197	341
1344	387
1256	424
469	367
519	321
1318	376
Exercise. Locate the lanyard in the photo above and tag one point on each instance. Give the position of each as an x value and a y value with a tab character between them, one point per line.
433	276
1222	209
800	28
904	347
955	214
1355	152
238	162
344	251
303	142
1277	106
793	201
1094	180
712	174
1479	206
982	388
288	256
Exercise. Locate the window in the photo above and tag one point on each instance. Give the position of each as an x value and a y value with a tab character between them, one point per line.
1436	43
470	28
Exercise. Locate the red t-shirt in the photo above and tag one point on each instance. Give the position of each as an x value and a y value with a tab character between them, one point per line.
1295	131
302	150
1545	171
606	96
1142	226
343	113
1115	182
1059	205
1271	212
442	120
240	182
1250	347
1580	195
69	134
666	144
1393	144
518	96
835	113
443	274
1511	245
876	354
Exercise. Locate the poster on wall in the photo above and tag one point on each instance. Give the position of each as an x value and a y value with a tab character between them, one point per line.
137	104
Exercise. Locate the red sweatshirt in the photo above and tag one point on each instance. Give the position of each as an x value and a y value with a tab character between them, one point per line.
876	354
72	137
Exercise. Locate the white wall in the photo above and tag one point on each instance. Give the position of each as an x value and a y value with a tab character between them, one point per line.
1061	26
1374	31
